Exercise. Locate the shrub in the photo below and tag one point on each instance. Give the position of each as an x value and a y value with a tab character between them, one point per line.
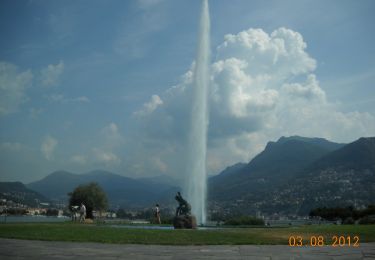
367	220
244	220
348	221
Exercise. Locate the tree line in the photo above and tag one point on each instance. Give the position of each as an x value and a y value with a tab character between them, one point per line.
347	215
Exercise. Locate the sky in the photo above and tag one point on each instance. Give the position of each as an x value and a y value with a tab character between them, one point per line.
90	84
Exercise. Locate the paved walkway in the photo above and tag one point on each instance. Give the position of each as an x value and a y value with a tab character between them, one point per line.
27	249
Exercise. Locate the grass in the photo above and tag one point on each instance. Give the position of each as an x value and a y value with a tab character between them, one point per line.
226	236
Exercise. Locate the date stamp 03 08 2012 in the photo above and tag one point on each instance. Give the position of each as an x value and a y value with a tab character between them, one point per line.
317	241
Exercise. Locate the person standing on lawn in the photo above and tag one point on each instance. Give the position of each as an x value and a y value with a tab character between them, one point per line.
157	214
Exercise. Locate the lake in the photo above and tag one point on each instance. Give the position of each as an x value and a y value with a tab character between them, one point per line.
17	219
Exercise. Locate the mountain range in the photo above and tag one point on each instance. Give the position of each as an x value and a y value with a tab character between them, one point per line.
19	194
121	191
290	176
295	174
278	162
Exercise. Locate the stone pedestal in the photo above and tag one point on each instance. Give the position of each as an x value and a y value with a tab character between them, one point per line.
185	221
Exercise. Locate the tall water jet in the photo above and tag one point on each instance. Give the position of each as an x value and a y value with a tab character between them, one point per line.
197	145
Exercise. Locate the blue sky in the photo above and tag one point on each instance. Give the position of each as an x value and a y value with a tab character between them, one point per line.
105	84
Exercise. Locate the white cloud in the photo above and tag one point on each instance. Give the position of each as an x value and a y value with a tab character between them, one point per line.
35	112
13	85
111	136
50	75
148	3
60	98
133	42
55	98
79	159
11	146
111	129
48	147
106	157
32	162
105	151
241	94
281	53
83	99
262	86
224	152
150	106
159	164
310	90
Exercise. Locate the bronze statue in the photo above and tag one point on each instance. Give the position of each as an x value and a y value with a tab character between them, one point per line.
184	207
183	218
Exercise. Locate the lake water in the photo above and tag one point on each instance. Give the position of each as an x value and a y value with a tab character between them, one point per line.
142	227
34	219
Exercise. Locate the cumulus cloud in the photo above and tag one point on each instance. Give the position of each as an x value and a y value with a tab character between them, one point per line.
150	106
48	147
13	85
112	137
50	75
283	52
309	90
262	86
104	152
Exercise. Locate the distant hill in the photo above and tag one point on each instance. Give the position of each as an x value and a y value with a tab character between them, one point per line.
279	161
357	155
345	176
57	184
289	155
321	142
121	191
295	174
229	171
160	179
18	193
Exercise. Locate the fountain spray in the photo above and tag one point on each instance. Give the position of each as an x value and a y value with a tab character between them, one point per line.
197	145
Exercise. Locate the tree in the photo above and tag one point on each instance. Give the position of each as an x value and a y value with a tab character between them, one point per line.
347	215
52	212
244	220
121	213
91	195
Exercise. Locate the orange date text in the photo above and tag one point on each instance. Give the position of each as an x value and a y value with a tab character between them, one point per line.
318	241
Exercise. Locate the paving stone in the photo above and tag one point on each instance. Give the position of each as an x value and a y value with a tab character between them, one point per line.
27	249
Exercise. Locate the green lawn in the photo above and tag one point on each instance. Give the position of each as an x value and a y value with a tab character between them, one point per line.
227	236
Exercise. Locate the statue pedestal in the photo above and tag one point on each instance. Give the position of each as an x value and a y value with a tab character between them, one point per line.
185	222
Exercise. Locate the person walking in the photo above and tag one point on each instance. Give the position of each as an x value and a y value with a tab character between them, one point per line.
157	214
82	211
